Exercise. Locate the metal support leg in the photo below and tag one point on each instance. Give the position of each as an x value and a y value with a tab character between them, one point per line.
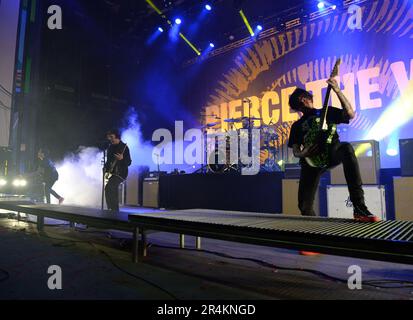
143	244
182	241
72	224
18	216
198	243
135	249
139	245
40	223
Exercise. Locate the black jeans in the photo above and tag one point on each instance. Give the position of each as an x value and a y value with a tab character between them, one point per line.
48	185
310	178
112	192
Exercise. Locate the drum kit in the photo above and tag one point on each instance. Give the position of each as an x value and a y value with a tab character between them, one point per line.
269	152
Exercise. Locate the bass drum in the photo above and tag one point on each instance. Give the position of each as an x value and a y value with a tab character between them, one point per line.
213	162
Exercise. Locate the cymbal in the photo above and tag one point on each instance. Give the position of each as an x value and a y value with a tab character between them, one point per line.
237	120
209	125
269	148
233	120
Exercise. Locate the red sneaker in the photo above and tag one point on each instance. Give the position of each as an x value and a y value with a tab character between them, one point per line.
309	253
364	215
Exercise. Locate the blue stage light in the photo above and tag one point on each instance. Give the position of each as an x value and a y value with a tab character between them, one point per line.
160	29
333	7
320	5
208	7
178	21
392	152
259	28
212	45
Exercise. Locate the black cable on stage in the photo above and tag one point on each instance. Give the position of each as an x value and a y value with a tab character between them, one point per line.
316	272
269	265
108	257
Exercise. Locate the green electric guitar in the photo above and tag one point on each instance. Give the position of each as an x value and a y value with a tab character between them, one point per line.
320	132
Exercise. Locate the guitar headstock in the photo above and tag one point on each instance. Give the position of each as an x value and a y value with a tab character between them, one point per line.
334	73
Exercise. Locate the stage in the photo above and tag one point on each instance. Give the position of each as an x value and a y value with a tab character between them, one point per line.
90	259
385	240
185	149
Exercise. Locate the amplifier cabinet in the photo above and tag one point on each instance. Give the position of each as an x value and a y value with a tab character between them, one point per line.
151	193
340	206
368	156
406	156
290	198
403	199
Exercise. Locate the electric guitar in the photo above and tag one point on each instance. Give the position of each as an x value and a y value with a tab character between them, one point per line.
112	167
320	132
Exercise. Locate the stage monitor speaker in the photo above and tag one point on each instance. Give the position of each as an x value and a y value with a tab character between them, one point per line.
406	156
368	156
340	206
290	198
151	193
403	200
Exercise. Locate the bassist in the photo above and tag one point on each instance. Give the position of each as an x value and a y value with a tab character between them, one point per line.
338	152
117	164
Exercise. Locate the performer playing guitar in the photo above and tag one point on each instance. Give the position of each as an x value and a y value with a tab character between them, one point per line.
315	141
116	168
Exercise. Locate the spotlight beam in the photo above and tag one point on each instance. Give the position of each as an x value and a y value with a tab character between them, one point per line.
190	44
244	18
154	7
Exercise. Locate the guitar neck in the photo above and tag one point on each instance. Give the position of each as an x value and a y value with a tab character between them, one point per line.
325	106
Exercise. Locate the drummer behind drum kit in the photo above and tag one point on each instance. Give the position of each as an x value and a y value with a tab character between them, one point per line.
271	148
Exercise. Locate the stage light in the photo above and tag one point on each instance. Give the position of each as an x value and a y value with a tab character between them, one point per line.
212	45
259	28
19	183
392	152
334	7
393	118
208	7
160	29
3	182
178	21
320	5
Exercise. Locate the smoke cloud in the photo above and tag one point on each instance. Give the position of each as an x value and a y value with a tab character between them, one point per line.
80	173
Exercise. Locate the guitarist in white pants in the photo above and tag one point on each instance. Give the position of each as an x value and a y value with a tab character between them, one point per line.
116	166
302	101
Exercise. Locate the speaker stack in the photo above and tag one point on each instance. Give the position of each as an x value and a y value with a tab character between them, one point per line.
338	198
403	186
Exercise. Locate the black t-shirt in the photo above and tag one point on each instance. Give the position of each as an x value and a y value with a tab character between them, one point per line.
121	168
301	127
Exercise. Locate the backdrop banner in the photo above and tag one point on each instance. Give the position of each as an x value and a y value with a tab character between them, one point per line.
375	74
